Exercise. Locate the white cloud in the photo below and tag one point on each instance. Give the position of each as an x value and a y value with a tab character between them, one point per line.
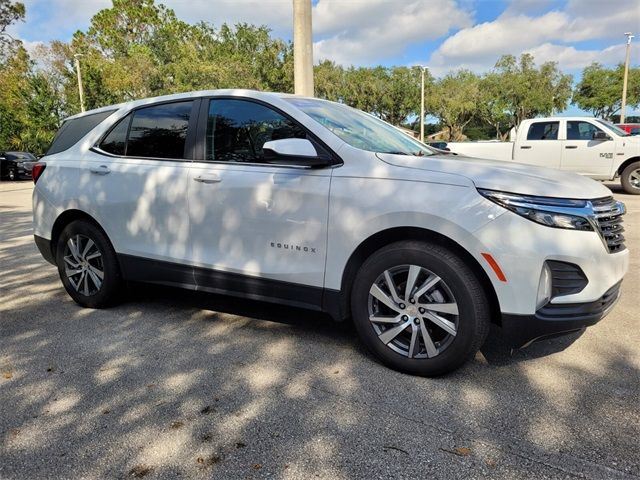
363	32
548	37
569	58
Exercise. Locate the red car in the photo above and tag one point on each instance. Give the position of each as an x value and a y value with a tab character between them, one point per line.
630	128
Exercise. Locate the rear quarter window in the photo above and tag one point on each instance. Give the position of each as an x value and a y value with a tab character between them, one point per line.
73	130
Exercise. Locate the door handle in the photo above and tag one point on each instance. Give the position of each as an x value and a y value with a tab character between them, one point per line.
570	146
525	147
207	179
101	170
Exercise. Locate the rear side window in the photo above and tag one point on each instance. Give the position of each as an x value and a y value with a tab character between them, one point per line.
543	131
73	130
159	131
116	140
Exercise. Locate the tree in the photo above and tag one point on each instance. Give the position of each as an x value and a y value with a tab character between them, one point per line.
528	91
454	100
10	13
492	106
600	90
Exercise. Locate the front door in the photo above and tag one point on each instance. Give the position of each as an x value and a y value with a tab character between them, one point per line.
582	154
256	228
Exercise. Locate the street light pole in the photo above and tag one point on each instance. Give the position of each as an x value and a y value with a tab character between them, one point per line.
80	90
626	76
422	104
302	48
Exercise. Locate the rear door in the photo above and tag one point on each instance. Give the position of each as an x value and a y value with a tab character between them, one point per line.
582	154
256	228
539	145
137	179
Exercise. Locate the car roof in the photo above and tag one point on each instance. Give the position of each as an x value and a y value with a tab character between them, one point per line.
259	95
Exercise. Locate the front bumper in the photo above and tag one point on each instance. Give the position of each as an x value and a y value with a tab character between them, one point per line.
556	319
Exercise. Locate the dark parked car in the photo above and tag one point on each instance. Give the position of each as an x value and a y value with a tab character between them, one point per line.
16	165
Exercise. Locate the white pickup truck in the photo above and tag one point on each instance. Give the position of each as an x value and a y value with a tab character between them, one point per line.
585	145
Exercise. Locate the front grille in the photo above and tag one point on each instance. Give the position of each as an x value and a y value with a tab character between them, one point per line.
608	215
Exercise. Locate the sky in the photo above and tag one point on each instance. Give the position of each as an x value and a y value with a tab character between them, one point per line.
443	35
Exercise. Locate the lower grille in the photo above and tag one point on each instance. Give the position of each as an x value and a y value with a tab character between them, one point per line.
608	215
566	278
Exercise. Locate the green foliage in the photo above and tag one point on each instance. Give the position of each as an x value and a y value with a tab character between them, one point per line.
600	90
454	101
527	91
10	13
390	93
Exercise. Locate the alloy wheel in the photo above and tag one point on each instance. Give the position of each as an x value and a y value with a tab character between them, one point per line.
634	178
413	311
83	265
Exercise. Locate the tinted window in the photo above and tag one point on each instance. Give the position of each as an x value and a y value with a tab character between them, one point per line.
237	130
581	130
543	131
73	130
116	140
159	131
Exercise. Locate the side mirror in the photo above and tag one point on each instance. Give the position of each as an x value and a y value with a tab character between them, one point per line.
600	135
294	151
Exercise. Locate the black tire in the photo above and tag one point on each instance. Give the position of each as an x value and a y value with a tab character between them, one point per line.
109	291
629	184
12	175
473	317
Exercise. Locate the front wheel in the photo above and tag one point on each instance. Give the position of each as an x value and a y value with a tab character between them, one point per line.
87	265
630	178
419	308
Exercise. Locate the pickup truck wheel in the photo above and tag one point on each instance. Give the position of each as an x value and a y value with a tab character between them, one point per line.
87	265
419	308
630	178
12	174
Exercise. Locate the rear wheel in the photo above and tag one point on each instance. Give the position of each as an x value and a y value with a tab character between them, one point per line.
87	265
419	308
630	178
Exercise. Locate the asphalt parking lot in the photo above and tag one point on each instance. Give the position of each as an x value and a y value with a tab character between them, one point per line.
170	384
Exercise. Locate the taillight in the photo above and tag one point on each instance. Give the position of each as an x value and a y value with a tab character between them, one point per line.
37	170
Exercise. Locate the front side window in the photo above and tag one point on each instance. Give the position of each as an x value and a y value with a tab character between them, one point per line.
159	131
237	130
581	130
543	131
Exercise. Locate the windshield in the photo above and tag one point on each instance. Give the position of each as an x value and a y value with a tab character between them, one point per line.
617	130
359	129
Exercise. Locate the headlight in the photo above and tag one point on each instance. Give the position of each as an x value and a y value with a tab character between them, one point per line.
552	212
20	164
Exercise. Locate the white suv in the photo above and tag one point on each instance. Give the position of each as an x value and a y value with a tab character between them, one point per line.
312	203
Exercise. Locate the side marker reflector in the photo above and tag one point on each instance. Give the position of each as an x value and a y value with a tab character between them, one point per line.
494	265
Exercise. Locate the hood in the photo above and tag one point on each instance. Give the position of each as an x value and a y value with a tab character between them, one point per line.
506	176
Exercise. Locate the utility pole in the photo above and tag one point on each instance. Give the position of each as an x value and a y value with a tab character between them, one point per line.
302	48
424	69
80	90
626	76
